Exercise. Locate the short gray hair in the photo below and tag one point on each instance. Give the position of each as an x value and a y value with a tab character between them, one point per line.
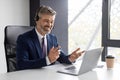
44	10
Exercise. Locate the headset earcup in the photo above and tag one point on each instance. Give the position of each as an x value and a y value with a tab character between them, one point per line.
37	18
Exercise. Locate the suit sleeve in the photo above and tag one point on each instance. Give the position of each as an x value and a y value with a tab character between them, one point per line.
26	58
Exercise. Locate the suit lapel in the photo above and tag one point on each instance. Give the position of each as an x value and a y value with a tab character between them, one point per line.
36	43
49	43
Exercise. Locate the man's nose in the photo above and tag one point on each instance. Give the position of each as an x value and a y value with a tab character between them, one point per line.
50	24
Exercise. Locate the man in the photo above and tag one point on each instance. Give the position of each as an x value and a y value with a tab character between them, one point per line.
38	48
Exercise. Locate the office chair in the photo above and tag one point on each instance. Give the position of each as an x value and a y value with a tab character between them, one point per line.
11	34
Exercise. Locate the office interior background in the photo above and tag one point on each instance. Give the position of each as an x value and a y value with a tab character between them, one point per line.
87	24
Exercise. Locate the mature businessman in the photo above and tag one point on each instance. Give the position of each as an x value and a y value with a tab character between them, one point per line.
38	48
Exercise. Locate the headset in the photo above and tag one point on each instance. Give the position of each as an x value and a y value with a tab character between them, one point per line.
36	18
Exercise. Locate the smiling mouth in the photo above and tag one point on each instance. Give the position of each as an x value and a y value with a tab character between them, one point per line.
47	28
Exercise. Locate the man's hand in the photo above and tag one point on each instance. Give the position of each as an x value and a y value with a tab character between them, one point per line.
75	54
54	54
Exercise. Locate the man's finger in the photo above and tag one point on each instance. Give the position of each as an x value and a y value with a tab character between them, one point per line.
57	48
76	50
52	48
80	53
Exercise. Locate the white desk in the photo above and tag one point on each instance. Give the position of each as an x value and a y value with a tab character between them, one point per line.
49	73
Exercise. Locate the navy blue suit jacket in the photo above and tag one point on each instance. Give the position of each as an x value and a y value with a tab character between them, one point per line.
29	51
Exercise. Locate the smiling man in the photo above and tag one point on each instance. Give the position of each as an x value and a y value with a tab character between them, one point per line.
38	48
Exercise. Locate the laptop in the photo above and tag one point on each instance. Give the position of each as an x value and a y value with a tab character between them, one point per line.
88	62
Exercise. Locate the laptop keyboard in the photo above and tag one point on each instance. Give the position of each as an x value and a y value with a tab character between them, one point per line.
70	68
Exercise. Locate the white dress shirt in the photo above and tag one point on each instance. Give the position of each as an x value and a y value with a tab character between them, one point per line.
40	40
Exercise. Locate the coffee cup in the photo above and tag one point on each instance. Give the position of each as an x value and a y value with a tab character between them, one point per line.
110	61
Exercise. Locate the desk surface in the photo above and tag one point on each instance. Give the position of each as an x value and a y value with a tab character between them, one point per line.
50	73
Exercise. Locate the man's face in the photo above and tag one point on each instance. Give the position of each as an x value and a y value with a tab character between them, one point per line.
45	24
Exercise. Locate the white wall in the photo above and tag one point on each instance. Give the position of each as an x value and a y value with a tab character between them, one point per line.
12	12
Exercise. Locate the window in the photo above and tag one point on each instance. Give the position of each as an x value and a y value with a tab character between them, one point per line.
115	20
110	31
84	18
